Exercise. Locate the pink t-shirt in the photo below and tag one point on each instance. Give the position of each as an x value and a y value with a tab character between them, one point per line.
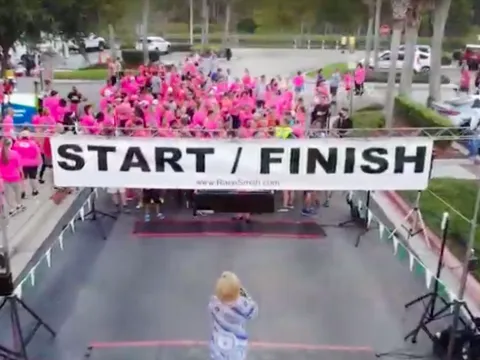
29	152
10	171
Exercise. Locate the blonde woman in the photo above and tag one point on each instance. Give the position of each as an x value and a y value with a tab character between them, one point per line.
230	308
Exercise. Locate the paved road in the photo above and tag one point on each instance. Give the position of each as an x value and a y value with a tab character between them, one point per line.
319	294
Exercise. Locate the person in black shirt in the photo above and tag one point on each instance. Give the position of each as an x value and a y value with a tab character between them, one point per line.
344	122
75	98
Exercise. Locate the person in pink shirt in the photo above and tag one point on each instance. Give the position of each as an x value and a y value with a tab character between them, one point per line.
465	79
11	173
348	81
30	159
8	126
359	77
298	83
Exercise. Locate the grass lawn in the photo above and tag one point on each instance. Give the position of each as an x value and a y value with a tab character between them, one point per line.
461	195
329	69
82	74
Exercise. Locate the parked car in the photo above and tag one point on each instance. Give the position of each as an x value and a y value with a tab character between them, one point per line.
463	111
92	42
421	48
421	62
154	43
471	56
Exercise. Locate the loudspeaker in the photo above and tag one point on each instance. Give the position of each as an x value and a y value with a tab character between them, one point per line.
6	284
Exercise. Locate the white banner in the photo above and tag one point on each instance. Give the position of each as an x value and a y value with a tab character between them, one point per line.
256	164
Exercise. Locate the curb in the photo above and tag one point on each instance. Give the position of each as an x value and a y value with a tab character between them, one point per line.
450	260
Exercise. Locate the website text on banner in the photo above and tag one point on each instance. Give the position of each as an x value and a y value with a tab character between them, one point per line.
263	164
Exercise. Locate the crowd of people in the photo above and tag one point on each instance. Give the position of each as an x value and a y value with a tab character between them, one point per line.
194	99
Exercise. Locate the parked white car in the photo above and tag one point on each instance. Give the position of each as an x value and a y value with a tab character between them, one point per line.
463	111
154	43
421	48
421	62
92	43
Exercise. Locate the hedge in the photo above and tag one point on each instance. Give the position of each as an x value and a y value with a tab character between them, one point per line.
368	119
134	58
418	115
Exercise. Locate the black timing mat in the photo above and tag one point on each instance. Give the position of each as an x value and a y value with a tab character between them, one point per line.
168	228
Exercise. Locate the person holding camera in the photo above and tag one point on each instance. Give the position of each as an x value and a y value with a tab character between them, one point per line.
230	309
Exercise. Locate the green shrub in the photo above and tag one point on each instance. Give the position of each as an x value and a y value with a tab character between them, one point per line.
419	78
180	47
418	115
247	26
457	55
134	58
446	59
372	107
368	119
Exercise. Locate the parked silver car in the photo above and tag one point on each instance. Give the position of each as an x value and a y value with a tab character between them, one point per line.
463	111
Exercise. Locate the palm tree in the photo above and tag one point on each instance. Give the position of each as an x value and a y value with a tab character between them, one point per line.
371	18
440	16
228	16
376	40
399	13
191	20
412	23
206	21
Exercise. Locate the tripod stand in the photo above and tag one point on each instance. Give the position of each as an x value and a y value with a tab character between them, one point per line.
95	215
430	313
14	303
418	225
357	216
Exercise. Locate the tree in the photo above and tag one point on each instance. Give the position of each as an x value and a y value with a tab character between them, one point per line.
20	19
460	18
74	19
399	12
228	16
371	5
376	40
440	16
412	24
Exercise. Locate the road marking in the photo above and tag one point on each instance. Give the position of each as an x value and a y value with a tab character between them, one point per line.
254	345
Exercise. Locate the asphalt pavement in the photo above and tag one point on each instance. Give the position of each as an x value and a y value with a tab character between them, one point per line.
145	298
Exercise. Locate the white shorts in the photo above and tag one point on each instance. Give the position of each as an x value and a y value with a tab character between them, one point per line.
116	190
227	347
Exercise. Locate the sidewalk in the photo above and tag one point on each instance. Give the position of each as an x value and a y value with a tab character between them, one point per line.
27	231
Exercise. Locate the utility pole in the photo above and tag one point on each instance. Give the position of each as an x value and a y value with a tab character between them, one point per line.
376	41
191	22
146	9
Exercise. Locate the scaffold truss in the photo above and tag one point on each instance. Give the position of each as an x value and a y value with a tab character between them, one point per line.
436	134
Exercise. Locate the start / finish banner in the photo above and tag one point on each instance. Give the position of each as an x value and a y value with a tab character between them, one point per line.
256	164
